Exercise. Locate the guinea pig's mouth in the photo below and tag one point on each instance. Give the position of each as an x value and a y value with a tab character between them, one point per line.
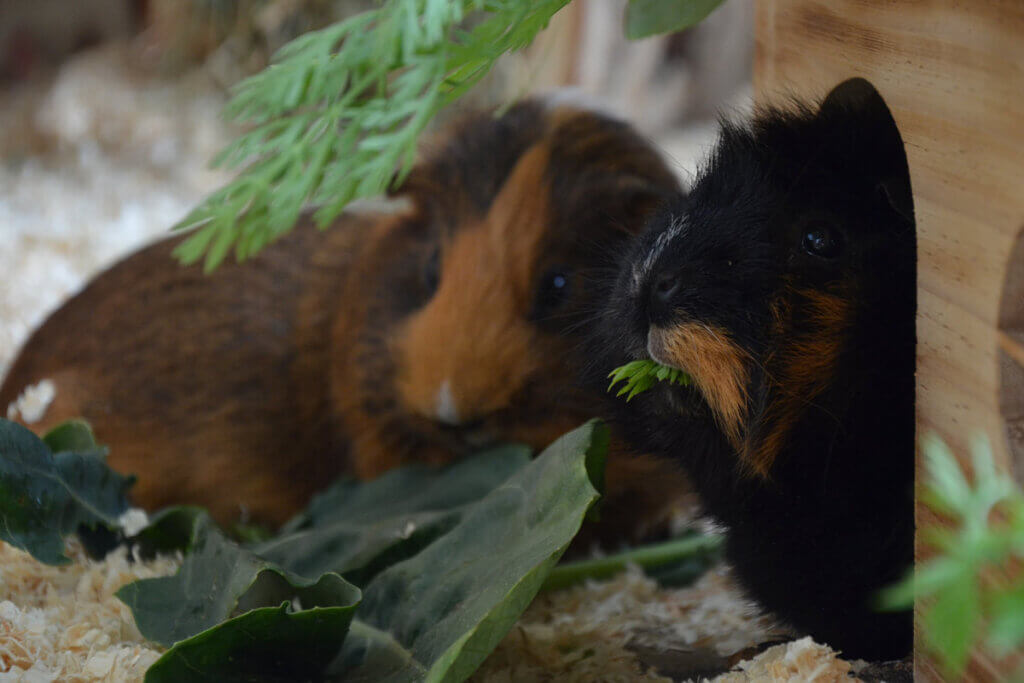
717	366
657	350
469	436
681	398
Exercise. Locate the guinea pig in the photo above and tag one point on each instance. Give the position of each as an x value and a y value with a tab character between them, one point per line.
415	335
784	286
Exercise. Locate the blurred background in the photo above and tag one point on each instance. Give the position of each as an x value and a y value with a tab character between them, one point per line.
110	112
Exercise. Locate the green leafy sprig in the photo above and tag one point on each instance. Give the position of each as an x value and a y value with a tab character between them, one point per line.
967	601
338	113
641	375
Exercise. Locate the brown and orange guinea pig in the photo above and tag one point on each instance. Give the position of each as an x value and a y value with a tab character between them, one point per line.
415	335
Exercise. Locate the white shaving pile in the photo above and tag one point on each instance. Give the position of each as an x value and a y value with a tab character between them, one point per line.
65	624
93	165
801	661
581	634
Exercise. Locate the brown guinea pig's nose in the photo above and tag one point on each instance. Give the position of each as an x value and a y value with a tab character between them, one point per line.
454	385
459	363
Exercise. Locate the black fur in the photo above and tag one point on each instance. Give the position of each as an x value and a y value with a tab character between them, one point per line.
831	522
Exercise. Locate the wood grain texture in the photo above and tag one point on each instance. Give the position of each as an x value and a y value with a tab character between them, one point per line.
953	74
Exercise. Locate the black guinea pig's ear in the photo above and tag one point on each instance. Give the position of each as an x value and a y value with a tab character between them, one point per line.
873	136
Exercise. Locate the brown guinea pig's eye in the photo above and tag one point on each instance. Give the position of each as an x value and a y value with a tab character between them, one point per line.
552	292
432	270
821	240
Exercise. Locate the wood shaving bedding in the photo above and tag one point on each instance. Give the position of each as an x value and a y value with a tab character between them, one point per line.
592	632
65	624
799	661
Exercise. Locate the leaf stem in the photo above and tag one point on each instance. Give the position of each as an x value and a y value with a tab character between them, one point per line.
656	555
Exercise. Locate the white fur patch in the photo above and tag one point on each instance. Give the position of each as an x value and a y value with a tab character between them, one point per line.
446	410
33	402
643	268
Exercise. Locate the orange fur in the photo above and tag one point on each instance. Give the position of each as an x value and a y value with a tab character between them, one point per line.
717	365
474	336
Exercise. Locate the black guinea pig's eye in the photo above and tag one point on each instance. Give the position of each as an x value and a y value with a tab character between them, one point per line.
432	270
552	291
821	240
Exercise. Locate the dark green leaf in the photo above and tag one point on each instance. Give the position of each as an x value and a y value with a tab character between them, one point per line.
652	17
170	530
437	615
73	435
293	641
45	497
217	580
415	488
359	528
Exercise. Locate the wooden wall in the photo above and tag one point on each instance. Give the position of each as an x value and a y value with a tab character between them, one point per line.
952	72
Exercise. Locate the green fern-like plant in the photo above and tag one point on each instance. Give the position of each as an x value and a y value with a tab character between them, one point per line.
641	375
337	114
964	606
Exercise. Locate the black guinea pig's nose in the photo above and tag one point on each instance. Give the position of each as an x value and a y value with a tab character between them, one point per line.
664	289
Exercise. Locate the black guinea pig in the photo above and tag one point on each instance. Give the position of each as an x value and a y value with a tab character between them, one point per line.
784	285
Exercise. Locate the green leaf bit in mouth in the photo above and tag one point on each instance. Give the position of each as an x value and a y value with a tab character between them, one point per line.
640	375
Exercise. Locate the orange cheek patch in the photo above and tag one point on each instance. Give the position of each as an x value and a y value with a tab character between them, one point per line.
716	364
473	337
800	372
467	340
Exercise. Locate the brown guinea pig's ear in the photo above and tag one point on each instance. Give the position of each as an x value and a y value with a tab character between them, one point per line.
607	169
464	165
414	186
640	200
427	194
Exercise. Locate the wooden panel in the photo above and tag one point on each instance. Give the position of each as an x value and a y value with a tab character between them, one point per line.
952	72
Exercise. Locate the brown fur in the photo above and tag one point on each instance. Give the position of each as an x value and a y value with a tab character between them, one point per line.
799	373
259	384
717	365
177	397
